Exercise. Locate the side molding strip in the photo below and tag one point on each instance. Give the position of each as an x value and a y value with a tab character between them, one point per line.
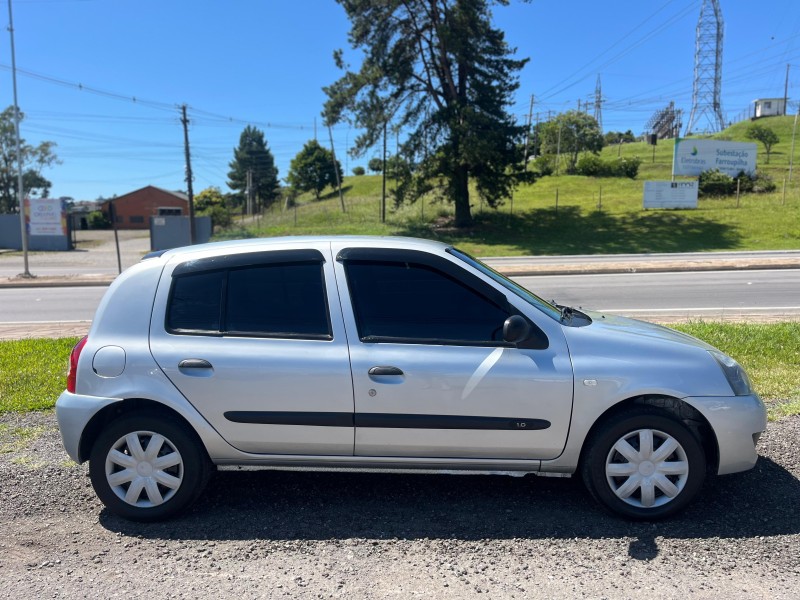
386	420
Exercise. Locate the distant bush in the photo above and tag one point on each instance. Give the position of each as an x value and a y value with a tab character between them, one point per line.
545	164
220	216
591	165
715	183
358	171
97	220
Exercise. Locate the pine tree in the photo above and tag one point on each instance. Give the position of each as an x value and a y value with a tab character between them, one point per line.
253	154
438	70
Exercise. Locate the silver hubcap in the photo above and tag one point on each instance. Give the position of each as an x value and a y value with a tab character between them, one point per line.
144	469
647	468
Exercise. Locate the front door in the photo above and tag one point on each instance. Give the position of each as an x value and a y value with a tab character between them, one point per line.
432	376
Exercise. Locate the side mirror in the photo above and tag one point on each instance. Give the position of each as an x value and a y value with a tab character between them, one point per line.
516	329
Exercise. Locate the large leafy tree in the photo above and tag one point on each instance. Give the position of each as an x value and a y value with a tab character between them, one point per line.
34	159
439	71
254	155
569	134
313	169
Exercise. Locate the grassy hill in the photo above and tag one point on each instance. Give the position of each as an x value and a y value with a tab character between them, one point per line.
574	215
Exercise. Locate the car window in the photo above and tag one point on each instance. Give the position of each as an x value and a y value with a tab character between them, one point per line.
277	300
195	302
284	300
416	303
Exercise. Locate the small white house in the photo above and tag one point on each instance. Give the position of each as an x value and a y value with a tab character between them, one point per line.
769	107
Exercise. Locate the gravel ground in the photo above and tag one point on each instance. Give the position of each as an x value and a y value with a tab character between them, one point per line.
265	534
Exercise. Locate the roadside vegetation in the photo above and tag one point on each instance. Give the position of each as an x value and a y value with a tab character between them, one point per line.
565	214
32	372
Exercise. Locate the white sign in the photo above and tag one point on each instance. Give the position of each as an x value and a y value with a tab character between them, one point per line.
692	157
670	194
46	216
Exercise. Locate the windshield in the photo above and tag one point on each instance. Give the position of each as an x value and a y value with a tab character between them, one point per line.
518	290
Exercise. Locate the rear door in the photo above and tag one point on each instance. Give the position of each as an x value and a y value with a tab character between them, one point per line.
255	341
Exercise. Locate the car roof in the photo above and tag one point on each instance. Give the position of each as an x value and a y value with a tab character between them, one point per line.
265	243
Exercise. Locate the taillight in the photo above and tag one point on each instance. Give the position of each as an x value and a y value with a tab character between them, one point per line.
72	374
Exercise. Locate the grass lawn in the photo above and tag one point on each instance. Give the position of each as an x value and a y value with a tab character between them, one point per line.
32	372
571	214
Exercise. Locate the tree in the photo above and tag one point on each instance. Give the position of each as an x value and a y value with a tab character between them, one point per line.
375	165
254	155
313	169
358	171
439	71
34	159
213	203
763	134
571	133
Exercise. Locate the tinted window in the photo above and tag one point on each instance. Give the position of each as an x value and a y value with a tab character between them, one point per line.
195	302
277	300
417	303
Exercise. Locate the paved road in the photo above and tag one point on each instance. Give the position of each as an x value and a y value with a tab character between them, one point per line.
649	295
712	294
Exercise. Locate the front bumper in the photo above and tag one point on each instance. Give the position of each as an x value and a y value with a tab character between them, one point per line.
737	421
74	412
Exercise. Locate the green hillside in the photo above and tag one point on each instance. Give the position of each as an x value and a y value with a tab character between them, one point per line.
572	214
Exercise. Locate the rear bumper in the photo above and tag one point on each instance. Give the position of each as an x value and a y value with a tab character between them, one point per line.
74	412
737	421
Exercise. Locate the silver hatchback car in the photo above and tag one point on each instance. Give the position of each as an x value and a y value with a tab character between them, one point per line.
387	353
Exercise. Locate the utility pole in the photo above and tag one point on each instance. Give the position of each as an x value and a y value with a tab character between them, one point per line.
249	193
336	169
528	133
185	122
20	188
786	93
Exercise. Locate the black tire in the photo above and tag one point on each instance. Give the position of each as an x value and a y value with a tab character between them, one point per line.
684	467
158	493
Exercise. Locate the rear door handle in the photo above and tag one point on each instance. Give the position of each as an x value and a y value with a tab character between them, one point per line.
385	371
194	363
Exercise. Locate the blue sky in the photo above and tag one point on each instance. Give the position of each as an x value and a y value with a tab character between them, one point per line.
233	62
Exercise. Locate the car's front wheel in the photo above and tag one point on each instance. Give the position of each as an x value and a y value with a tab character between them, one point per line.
147	467
644	464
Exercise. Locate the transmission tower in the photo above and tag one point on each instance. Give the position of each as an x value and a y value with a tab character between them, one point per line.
707	96
598	104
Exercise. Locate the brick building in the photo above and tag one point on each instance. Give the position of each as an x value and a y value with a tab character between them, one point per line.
134	209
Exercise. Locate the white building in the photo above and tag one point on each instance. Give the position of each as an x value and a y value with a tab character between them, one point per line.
769	107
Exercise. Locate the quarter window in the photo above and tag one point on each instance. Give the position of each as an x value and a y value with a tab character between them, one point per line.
416	303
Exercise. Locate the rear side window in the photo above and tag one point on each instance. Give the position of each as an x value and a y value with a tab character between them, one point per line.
416	303
276	300
281	300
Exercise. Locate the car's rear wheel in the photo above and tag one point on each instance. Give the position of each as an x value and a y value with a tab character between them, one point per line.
147	467
644	464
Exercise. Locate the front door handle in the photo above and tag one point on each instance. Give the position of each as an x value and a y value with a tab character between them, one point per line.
385	371
194	363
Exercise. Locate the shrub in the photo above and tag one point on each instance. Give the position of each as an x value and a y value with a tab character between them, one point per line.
358	171
545	164
591	165
715	183
220	216
97	220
